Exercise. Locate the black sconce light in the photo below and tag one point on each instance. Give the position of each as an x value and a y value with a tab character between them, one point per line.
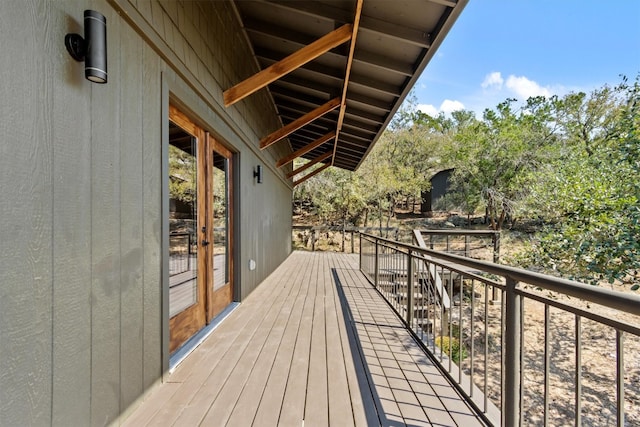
257	173
92	49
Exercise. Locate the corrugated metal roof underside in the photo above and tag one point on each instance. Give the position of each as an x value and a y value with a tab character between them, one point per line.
395	41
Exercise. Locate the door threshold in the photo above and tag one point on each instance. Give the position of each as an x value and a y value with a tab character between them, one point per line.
176	358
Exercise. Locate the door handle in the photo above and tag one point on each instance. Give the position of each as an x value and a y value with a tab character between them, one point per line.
205	242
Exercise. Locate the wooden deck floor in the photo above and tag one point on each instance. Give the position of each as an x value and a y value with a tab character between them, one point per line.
314	345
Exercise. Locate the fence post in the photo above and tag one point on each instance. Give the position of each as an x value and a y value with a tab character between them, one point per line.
360	248
189	251
409	289
313	240
466	245
352	242
496	259
512	351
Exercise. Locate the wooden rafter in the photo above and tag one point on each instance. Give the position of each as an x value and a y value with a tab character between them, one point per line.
297	124
307	148
288	64
307	165
309	175
343	102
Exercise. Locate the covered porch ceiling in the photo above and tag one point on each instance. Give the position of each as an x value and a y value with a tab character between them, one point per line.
338	70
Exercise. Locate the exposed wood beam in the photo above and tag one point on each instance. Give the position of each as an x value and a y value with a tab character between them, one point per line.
297	124
366	58
279	89
311	174
304	150
307	165
378	85
352	49
329	120
288	64
356	114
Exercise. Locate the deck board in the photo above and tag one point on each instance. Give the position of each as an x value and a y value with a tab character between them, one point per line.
314	344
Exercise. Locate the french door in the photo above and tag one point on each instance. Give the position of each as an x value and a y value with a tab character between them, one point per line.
200	228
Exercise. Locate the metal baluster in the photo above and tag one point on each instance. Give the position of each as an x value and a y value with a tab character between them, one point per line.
547	361
620	376
521	355
460	327
450	320
473	291
486	343
578	379
409	290
511	356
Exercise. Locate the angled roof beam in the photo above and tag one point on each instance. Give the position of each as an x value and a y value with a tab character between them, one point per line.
297	124
352	49
307	148
309	175
288	64
364	57
307	165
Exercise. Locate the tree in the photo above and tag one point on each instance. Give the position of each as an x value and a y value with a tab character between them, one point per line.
590	195
494	157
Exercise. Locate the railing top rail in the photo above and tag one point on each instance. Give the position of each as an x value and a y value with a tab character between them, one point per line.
459	232
340	228
625	302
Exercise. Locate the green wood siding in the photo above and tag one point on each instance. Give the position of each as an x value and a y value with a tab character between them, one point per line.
81	298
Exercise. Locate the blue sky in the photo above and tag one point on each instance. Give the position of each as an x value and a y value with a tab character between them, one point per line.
500	49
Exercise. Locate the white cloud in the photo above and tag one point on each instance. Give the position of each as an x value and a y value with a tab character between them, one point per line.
428	109
525	88
493	80
448	106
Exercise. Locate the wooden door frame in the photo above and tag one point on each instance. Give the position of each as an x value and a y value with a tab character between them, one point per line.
192	319
219	300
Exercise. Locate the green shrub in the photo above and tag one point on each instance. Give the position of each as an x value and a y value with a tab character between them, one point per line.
452	348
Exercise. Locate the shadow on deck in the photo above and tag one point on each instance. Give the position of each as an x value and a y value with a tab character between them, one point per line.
315	344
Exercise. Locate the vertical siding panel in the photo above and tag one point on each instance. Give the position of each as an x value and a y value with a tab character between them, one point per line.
25	235
72	229
152	227
130	218
105	223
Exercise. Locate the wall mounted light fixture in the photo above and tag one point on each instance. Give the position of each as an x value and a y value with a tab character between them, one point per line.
92	49
257	173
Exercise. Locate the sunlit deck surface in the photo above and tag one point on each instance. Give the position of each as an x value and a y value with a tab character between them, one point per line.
314	345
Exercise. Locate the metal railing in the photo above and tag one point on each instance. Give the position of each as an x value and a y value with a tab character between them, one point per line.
478	244
532	357
309	236
181	253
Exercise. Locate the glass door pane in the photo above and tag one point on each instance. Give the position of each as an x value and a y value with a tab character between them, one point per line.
183	220
220	221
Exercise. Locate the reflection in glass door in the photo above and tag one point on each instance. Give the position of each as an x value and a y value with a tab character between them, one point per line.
183	220
221	288
220	222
